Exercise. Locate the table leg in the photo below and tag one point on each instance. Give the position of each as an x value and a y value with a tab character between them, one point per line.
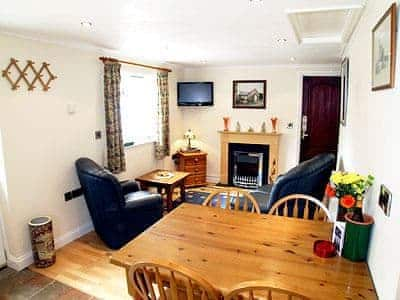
169	191
183	192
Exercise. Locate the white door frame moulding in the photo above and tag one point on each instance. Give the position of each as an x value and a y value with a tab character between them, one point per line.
301	75
25	260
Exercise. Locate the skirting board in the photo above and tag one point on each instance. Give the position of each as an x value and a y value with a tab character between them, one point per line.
212	178
25	260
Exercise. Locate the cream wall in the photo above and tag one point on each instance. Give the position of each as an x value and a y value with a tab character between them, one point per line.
284	92
41	141
370	144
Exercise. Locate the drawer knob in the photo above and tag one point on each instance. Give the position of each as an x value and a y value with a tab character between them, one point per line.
196	159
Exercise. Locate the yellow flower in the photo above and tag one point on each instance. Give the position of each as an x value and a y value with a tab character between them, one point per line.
336	177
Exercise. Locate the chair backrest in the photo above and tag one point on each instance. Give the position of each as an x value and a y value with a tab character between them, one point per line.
301	206
259	290
309	177
104	199
167	281
232	198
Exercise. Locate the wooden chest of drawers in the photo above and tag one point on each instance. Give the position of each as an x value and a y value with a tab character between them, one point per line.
196	164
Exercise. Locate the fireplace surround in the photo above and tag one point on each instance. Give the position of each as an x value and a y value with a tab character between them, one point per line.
252	138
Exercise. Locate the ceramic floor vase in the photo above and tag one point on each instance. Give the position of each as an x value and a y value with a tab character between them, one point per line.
357	237
42	239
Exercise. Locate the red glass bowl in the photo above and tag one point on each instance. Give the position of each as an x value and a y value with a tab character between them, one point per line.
324	249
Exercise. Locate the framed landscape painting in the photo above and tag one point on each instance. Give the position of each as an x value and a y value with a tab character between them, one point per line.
384	51
249	94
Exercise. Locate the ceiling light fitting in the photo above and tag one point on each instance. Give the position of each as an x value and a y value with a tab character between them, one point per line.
86	24
281	40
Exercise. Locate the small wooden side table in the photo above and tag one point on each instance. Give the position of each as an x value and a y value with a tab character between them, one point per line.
169	184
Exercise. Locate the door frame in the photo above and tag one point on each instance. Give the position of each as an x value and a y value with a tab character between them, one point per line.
301	75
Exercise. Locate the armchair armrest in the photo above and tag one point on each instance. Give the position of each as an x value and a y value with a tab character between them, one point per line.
129	187
143	200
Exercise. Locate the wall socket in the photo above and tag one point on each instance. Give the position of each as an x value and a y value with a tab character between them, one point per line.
97	134
73	194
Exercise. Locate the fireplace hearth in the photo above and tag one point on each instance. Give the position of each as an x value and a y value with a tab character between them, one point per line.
248	165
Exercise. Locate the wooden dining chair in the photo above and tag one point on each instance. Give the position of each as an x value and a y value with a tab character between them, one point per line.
167	281
231	198
292	205
259	290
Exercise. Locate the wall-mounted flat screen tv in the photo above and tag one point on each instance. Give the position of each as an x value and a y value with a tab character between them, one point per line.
195	93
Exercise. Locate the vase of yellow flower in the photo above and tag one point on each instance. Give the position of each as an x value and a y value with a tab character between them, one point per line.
350	189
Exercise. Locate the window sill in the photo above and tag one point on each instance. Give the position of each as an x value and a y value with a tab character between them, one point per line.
136	144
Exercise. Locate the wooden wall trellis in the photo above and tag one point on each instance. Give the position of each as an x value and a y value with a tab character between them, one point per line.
23	75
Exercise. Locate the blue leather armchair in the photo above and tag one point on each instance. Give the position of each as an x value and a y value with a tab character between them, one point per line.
309	177
119	211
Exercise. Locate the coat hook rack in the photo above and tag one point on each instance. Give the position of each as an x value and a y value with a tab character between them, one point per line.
23	75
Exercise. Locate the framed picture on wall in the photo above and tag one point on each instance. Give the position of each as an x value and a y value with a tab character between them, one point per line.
384	51
249	94
344	93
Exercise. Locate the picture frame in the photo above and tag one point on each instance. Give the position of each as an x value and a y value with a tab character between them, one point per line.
385	200
344	90
249	94
384	51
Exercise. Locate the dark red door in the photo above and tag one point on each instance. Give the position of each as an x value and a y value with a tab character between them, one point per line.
320	116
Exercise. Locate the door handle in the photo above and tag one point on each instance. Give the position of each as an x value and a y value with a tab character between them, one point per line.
304	133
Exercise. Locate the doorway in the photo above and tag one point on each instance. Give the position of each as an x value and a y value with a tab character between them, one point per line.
320	116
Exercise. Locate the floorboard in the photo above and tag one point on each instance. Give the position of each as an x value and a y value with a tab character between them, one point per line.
84	265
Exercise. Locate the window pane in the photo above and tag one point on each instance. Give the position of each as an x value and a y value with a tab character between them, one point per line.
138	107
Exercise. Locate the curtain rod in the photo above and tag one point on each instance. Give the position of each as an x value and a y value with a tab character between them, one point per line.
111	59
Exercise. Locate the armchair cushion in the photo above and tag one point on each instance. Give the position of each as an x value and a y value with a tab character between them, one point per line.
142	200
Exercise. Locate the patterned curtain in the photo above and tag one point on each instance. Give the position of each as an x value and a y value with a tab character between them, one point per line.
162	143
115	146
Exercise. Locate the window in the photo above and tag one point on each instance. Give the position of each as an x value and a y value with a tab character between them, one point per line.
138	107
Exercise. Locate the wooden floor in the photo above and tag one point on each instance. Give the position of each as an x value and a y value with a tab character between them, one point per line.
85	265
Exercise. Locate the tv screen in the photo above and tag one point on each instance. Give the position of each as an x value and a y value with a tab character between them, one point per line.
195	93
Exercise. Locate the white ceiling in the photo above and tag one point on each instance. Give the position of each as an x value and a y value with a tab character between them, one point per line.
220	32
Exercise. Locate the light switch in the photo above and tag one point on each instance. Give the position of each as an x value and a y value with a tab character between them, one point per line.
71	108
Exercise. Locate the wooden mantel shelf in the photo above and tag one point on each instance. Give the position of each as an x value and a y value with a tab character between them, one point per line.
250	133
262	138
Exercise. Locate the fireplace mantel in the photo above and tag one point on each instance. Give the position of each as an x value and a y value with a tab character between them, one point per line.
260	138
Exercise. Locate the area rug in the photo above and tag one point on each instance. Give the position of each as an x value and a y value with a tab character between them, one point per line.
198	195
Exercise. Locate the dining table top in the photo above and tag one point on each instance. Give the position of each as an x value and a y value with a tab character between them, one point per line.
229	247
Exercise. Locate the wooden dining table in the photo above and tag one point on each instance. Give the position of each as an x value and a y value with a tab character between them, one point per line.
229	247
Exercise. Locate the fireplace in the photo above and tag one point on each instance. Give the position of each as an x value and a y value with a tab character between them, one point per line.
270	142
248	165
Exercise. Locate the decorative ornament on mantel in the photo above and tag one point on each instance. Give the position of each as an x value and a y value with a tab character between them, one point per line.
250	129
226	123
238	127
274	122
263	127
22	74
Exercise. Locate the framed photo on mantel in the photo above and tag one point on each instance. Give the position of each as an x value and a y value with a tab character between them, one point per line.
384	51
249	94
